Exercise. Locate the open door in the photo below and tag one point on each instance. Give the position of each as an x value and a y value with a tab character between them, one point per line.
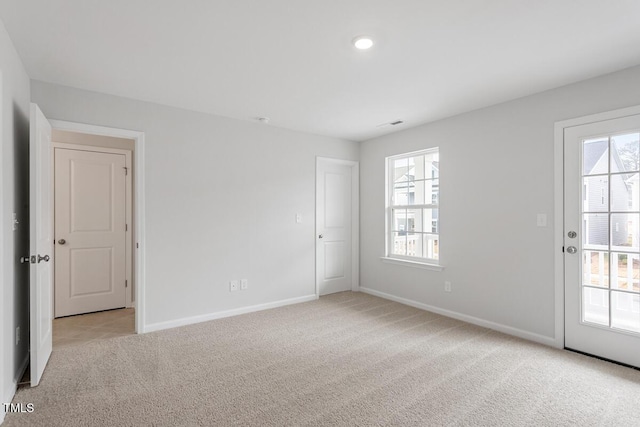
41	242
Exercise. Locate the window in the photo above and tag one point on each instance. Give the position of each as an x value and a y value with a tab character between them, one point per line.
412	206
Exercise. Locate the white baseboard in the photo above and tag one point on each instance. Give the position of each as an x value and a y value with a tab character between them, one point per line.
227	313
542	339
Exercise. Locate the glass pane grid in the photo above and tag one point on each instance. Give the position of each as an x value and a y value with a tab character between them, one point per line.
610	232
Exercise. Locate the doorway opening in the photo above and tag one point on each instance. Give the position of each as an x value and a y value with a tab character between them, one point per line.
93	245
107	150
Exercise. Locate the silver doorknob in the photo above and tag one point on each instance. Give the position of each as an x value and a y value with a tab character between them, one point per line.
62	241
43	258
320	236
572	249
572	234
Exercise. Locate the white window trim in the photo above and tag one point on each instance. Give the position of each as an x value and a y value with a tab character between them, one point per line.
424	263
412	263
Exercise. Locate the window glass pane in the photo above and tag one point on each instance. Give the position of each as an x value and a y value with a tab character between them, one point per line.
400	181
595	306
414	244
431	246
416	193
415	223
625	271
416	168
595	194
431	223
595	156
625	152
399	244
625	311
624	192
595	268
432	191
624	232
432	165
400	170
400	194
595	231
399	221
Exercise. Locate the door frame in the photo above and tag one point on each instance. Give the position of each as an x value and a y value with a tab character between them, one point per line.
355	220
129	249
138	197
3	261
558	234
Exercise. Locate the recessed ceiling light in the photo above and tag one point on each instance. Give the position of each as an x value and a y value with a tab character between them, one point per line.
363	42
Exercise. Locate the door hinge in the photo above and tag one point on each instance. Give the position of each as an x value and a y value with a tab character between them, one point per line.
126	227
126	283
563	249
126	170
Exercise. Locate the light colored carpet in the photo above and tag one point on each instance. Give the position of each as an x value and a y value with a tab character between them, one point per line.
347	359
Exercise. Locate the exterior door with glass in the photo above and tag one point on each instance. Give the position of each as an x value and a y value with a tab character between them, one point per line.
602	238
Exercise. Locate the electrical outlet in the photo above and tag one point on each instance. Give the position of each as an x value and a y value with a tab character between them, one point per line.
447	286
233	285
298	218
17	335
244	284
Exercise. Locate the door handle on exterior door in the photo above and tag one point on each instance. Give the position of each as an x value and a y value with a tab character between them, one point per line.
572	249
45	258
320	236
62	241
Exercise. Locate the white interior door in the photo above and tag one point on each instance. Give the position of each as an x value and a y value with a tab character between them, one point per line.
333	226
601	239
90	229
41	242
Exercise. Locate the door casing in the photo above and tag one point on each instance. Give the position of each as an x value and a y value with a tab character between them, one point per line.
559	336
355	221
138	220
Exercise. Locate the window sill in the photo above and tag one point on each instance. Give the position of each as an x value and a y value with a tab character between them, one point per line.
416	264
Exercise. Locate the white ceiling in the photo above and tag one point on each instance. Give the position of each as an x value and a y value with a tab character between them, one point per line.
292	60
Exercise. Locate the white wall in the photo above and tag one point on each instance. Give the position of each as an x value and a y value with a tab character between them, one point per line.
14	184
221	200
496	168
